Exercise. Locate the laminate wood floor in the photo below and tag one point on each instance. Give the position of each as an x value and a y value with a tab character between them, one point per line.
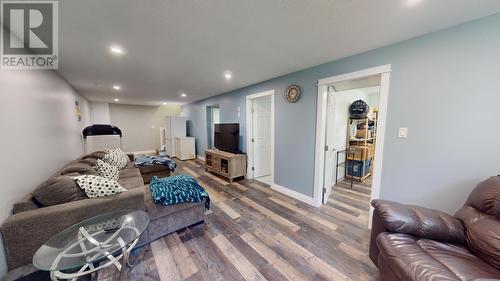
252	232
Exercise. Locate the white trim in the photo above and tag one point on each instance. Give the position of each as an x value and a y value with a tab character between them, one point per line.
249	130
320	144
294	194
200	157
330	109
356	74
261	94
379	145
384	71
249	121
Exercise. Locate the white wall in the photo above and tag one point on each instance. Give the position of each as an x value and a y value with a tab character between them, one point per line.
99	113
338	114
342	101
140	124
39	132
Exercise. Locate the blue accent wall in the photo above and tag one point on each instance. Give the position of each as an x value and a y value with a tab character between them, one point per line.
444	88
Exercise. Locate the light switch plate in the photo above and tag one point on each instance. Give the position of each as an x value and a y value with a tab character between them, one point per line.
403	133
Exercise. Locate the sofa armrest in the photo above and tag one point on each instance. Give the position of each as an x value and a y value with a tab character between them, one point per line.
131	157
419	221
23	233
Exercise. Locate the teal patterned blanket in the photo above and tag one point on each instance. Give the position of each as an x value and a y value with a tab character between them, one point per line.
177	189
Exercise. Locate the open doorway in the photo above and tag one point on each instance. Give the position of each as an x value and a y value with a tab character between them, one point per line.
260	136
350	137
213	117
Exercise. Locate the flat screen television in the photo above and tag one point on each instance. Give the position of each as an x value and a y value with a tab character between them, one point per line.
227	137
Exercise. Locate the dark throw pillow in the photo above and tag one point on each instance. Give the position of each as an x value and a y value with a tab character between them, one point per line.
96	155
89	161
77	168
58	190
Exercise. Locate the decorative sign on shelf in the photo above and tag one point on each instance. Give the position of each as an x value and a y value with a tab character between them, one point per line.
292	93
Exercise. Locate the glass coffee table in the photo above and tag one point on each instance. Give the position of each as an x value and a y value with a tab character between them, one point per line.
92	245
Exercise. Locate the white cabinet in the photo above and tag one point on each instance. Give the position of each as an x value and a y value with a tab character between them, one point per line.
185	148
174	127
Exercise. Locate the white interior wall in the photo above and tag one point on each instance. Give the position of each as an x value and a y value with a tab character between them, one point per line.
40	132
140	124
99	113
342	101
339	116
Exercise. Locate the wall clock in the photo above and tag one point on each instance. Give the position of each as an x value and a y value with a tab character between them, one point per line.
292	93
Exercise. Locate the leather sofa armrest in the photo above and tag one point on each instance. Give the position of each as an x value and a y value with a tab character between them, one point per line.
419	222
23	233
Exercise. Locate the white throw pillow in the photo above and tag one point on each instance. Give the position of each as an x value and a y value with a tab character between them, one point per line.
96	186
106	170
116	157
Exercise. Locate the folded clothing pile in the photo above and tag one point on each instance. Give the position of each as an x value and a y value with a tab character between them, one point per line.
156	160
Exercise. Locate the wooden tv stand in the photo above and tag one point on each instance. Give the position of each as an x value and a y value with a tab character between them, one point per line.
226	164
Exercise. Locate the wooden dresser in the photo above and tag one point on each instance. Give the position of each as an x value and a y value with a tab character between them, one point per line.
226	164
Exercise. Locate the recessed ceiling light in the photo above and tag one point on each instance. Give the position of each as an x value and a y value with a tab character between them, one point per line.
116	87
164	103
116	50
228	75
117	100
183	95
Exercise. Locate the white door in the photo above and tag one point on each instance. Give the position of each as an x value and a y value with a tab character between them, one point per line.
330	152
215	120
168	147
168	128
261	136
162	138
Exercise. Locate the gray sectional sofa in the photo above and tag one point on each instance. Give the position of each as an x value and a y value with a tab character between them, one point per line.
31	224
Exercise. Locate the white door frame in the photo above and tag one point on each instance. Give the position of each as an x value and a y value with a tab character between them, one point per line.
330	102
249	124
212	126
385	72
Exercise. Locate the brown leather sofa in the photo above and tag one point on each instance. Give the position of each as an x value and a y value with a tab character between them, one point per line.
415	243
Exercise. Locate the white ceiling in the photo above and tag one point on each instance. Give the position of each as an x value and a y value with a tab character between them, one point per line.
186	45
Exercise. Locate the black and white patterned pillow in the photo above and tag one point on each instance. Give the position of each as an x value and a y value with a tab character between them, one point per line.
116	157
107	170
96	186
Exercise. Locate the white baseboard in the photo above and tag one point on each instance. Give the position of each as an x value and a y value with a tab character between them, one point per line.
200	157
294	194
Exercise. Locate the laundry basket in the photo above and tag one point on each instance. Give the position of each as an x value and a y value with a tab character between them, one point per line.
100	137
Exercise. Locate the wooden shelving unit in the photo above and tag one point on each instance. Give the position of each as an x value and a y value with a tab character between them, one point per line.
361	148
226	164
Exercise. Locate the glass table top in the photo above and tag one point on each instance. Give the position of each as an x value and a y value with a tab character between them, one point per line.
91	240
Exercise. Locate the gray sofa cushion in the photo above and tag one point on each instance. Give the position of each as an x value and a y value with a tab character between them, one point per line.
130	165
131	172
58	190
25	232
131	183
25	204
156	211
89	161
78	168
95	155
